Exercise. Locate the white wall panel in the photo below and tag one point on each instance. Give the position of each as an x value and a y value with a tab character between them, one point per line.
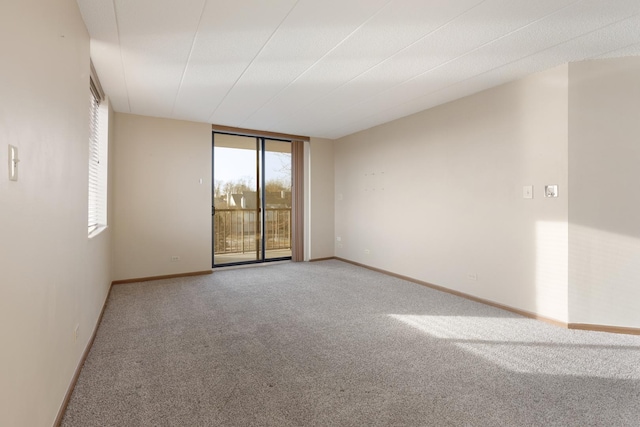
53	278
604	231
161	208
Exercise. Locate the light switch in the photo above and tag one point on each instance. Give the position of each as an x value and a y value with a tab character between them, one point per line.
527	192
13	163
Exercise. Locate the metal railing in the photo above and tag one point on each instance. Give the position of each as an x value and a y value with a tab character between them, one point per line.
234	230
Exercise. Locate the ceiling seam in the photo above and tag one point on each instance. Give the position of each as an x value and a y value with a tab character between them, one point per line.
600	55
252	61
387	58
124	73
490	42
376	13
501	66
186	65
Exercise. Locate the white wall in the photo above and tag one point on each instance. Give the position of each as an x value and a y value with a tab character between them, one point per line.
52	276
161	209
321	198
604	166
437	196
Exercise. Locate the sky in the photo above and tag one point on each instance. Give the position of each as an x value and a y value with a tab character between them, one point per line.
233	164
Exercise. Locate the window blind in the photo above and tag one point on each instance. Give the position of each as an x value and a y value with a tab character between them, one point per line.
95	202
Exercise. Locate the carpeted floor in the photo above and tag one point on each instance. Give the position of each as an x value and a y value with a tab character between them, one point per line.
331	344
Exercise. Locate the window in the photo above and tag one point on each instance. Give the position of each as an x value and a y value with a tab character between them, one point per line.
98	142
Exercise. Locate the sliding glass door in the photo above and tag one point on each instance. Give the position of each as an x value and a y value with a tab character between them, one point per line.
251	210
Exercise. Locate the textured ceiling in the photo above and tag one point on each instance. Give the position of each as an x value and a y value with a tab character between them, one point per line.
328	68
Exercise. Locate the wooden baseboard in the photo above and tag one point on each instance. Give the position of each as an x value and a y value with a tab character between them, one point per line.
169	276
322	259
76	374
605	328
462	295
578	326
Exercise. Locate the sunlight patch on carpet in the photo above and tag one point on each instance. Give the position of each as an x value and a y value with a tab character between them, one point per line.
508	343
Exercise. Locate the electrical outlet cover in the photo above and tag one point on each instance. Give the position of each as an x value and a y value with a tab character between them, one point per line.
551	191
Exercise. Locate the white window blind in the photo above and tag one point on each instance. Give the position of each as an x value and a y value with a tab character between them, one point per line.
97	214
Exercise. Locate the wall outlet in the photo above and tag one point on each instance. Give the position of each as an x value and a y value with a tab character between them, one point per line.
175	258
472	276
550	191
339	245
76	332
367	252
338	239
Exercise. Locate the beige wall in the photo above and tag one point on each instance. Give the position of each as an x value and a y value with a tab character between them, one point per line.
604	166
161	209
437	196
321	188
52	276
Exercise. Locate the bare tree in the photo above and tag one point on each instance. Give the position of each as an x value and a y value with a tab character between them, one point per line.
277	185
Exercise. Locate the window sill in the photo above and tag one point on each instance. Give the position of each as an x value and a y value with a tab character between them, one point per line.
96	231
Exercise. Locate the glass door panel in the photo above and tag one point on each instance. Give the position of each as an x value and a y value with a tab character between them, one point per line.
237	213
277	188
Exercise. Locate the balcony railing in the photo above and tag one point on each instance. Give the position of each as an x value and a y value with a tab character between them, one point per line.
234	230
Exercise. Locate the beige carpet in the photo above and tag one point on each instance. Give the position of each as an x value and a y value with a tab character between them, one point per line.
331	344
